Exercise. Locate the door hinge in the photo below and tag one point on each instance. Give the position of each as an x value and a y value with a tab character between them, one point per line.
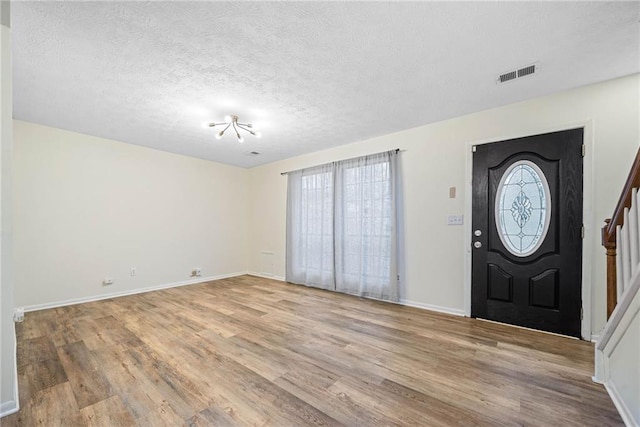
473	149
581	313
584	150
582	231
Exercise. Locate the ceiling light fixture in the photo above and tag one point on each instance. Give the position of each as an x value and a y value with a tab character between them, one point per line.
232	121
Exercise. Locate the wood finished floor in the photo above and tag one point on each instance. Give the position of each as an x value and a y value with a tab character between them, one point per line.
251	351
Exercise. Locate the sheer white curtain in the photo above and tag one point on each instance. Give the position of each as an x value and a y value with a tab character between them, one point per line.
365	231
310	227
343	226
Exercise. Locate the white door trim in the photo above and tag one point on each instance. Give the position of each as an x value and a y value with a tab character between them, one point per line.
591	230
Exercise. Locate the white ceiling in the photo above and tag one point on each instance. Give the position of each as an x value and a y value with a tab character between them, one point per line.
312	75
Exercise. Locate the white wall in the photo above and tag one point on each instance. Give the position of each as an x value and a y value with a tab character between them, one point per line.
624	370
434	159
88	208
617	352
8	378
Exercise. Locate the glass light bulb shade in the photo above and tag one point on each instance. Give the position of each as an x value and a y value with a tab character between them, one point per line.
258	134
205	125
240	138
219	134
227	118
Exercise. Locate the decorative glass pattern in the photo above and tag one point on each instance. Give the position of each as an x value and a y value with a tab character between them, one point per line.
523	208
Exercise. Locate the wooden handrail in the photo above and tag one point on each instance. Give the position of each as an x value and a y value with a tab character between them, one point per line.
609	231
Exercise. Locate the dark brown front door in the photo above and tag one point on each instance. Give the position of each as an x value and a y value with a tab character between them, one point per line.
527	232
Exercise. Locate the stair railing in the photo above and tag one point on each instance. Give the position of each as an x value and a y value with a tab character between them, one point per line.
619	268
617	352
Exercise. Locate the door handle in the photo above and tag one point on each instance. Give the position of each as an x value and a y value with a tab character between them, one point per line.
477	245
477	233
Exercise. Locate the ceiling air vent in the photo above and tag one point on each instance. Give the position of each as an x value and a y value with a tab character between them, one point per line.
507	76
518	74
526	71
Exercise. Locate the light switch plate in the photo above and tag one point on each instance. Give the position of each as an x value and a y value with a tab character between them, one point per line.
455	220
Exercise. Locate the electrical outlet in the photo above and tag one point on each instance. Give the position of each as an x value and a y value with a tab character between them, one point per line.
107	282
18	314
196	272
133	271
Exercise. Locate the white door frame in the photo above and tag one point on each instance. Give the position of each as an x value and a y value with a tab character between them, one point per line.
591	231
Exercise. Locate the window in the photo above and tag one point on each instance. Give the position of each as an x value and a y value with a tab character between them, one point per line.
311	231
341	226
367	223
523	208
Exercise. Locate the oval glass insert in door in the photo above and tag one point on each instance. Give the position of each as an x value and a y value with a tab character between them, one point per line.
523	208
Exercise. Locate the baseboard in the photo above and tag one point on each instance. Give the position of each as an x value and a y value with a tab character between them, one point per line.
595	337
73	301
447	310
45	306
8	408
266	276
408	303
623	409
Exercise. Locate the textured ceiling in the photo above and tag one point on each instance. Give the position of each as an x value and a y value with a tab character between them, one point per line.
312	75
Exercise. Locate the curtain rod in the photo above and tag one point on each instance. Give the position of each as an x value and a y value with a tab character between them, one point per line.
344	160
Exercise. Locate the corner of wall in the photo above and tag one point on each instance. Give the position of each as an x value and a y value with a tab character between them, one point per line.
8	367
12	406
